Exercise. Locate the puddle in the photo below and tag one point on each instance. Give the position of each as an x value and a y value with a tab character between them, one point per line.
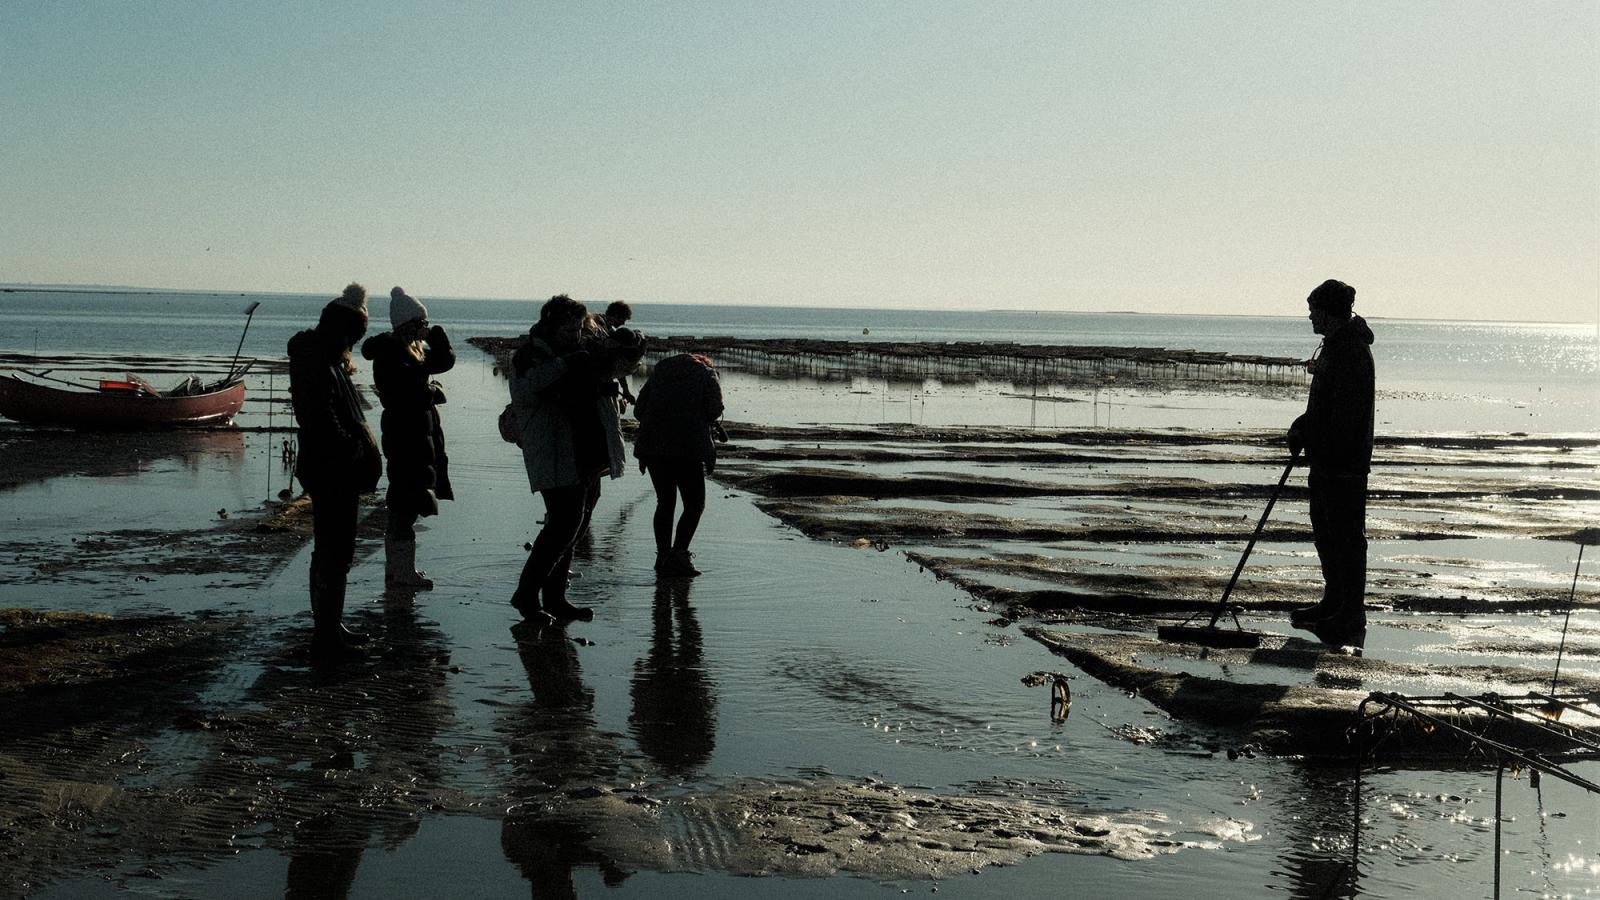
769	718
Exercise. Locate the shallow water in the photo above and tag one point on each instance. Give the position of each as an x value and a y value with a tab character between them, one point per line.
790	659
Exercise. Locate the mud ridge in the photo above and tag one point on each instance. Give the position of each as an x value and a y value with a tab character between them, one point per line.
1285	719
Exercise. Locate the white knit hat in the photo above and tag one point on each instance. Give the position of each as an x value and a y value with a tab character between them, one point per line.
404	308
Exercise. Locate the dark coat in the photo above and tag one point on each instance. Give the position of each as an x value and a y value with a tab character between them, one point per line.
1336	429
413	441
677	407
336	447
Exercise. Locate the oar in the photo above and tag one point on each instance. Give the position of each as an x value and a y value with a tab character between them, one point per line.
48	377
249	314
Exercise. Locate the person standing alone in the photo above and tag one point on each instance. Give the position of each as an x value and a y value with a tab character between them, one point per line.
1335	433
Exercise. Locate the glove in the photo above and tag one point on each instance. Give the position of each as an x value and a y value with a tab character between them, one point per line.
1297	438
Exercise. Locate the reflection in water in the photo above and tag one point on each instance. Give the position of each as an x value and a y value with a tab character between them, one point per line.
555	748
375	724
674	712
1317	855
41	454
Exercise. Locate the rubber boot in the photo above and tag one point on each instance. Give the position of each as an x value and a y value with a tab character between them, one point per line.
563	611
679	564
400	566
330	640
1305	615
1349	620
554	593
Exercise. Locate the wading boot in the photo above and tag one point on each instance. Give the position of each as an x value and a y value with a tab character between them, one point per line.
1305	615
330	640
400	566
678	564
1347	622
563	611
528	607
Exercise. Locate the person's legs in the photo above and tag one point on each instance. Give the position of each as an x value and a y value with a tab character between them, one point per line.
333	545
685	477
563	514
666	486
400	546
692	485
1321	535
554	590
1347	545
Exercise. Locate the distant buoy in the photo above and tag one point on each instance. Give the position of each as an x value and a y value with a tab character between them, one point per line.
866	331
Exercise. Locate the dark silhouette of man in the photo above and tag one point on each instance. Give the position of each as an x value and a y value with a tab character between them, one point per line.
1335	433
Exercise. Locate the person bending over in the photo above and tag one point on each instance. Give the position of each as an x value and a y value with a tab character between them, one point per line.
678	410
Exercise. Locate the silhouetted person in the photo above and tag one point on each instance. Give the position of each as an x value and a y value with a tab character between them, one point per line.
674	714
338	459
1335	433
571	438
678	410
404	361
618	314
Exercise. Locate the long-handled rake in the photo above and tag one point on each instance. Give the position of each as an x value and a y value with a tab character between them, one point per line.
1209	634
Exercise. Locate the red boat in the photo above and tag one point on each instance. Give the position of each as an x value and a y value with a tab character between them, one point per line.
127	404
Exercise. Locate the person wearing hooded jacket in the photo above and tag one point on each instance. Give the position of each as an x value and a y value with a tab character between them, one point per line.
1335	433
338	459
678	412
571	436
404	360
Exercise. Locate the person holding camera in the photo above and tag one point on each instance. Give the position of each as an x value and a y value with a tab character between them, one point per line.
571	437
404	361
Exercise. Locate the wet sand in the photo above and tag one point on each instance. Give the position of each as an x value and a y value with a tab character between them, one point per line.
840	693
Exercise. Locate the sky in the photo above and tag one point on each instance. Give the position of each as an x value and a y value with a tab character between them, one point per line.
1183	157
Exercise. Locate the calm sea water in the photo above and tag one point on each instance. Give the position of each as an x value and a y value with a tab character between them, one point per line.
1552	367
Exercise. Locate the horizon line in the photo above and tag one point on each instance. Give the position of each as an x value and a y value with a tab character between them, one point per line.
72	288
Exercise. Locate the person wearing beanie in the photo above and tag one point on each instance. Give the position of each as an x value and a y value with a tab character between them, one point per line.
1335	433
571	437
337	463
404	361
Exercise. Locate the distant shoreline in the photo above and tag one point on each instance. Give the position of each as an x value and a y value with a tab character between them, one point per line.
80	289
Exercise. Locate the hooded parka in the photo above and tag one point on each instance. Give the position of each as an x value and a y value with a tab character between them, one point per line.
1337	426
555	398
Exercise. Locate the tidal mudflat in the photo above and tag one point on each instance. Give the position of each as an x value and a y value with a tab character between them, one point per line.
841	694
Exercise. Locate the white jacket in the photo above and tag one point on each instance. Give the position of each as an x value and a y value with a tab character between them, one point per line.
547	448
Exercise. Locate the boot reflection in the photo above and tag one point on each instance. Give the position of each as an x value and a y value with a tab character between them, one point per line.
556	754
674	715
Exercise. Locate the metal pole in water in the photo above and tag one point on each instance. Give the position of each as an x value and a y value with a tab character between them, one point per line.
1499	780
270	438
1570	598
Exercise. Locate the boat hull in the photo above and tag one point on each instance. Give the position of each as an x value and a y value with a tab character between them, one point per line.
24	401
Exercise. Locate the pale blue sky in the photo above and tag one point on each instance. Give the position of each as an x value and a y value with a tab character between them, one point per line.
1161	157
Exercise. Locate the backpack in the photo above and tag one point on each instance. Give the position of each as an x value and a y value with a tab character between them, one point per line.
511	425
